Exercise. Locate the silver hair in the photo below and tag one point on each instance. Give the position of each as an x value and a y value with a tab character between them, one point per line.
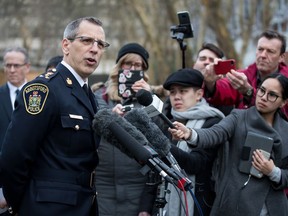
71	29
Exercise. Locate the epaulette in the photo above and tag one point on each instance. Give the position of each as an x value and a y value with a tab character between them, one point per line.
47	75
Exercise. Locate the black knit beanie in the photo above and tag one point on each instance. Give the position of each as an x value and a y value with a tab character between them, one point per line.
134	48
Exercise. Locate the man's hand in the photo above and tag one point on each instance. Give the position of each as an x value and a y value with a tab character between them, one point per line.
239	81
210	77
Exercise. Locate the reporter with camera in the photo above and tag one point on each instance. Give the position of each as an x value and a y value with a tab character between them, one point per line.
117	193
239	87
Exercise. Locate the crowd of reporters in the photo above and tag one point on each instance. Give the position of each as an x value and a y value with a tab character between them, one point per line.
36	163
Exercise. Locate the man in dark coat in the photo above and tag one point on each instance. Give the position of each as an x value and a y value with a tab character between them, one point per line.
49	153
16	67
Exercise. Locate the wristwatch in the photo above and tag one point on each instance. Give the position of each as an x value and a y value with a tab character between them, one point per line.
249	92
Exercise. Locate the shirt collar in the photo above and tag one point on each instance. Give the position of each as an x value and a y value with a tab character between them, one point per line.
75	74
13	88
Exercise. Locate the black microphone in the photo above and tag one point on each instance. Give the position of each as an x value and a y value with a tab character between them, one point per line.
160	143
153	105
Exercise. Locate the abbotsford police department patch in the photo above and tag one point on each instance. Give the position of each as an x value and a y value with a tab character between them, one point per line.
35	96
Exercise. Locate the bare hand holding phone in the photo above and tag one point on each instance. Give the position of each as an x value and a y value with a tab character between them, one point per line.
225	66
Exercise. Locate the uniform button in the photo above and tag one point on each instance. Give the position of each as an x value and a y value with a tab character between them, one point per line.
77	127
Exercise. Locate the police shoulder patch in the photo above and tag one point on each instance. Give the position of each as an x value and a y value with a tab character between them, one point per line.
35	96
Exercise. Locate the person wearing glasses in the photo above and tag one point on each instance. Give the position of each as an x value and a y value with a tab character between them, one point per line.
121	188
49	153
239	87
238	192
16	67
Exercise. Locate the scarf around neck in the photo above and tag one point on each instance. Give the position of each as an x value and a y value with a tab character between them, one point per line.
196	117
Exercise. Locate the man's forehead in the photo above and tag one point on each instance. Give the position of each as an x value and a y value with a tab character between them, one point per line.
270	43
207	53
14	55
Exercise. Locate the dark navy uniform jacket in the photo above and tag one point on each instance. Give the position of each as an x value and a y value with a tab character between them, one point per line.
50	150
6	110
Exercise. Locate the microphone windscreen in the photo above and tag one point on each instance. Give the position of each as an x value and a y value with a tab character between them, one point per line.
157	140
144	97
140	153
101	125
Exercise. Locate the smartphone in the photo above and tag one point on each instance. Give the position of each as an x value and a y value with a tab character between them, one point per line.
184	21
254	171
223	67
126	78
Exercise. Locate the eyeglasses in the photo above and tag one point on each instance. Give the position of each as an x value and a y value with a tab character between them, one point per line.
16	66
271	96
129	65
88	41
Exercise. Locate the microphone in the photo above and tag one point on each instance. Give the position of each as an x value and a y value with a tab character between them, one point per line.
120	133
144	155
104	117
153	105
160	143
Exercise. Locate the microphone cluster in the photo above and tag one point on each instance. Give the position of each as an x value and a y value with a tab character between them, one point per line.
139	138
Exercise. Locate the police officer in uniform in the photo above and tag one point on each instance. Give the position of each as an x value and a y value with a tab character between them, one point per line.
50	151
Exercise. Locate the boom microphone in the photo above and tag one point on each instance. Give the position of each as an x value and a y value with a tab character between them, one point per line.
160	143
144	155
153	105
119	132
104	117
140	119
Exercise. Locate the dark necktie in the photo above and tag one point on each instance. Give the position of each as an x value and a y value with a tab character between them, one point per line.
85	88
17	92
90	96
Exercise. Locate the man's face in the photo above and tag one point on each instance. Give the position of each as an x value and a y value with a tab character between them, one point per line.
268	55
204	58
82	57
15	68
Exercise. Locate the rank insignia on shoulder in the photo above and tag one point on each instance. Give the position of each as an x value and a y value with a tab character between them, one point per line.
48	74
69	81
35	96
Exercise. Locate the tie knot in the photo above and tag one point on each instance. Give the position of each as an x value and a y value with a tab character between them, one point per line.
17	91
85	87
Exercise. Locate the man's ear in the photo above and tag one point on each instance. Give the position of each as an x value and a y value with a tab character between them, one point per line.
65	46
283	58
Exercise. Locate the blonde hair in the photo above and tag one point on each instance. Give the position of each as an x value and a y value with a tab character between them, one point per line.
112	82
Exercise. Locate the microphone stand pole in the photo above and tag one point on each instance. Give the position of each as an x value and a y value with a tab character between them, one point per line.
160	201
